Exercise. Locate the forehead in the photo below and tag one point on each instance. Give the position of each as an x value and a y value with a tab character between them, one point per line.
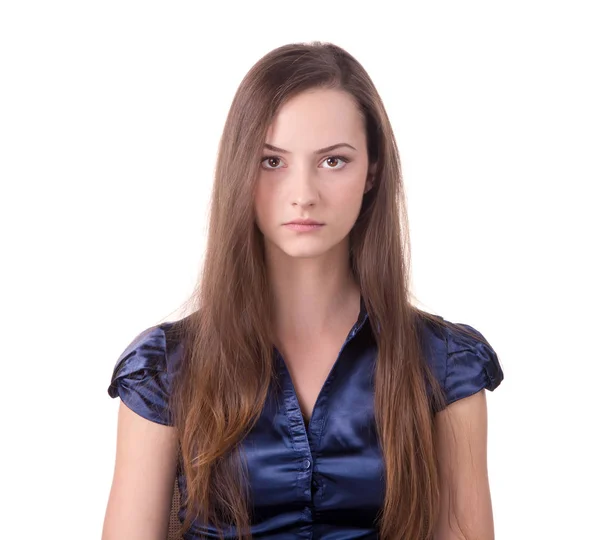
315	119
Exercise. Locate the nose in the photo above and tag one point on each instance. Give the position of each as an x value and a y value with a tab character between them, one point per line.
304	190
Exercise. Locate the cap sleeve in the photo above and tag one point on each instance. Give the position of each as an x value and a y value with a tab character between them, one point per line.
471	365
140	377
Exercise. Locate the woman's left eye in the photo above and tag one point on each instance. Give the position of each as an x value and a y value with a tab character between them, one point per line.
337	159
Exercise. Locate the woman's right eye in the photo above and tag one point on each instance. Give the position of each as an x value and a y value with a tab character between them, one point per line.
270	159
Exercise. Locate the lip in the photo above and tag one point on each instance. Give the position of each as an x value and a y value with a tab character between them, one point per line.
303	222
304	225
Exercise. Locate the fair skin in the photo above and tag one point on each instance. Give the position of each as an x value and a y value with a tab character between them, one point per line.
142	488
316	303
316	299
461	437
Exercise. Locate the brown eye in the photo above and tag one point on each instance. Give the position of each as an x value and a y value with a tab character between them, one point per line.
272	161
335	160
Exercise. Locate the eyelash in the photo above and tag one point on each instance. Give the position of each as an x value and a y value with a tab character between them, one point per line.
341	158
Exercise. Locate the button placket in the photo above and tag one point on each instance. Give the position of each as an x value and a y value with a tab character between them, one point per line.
306	438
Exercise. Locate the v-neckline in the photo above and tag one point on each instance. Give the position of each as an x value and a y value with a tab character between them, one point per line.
307	423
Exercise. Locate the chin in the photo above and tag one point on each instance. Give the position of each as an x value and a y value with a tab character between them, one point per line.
308	250
302	252
304	248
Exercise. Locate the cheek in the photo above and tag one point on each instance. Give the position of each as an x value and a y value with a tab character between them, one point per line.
262	206
350	199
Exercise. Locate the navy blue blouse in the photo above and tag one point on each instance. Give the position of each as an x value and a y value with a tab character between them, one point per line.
321	480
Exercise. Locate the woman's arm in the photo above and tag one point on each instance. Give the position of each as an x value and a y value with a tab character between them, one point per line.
140	498
461	436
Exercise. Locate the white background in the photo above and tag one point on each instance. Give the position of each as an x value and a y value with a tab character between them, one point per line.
110	114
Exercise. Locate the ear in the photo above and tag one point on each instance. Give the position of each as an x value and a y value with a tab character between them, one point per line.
370	177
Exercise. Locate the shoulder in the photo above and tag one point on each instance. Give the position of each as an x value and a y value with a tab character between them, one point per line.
143	372
461	358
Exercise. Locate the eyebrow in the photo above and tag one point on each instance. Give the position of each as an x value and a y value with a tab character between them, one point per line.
320	151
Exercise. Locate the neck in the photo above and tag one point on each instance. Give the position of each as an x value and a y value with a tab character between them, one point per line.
310	293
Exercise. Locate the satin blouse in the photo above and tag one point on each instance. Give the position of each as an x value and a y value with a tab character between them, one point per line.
322	480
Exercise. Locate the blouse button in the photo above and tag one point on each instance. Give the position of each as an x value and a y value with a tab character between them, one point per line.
307	464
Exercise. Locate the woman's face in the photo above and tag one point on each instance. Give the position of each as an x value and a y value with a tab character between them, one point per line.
300	180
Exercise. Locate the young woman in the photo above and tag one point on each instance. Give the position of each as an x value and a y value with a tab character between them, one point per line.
304	396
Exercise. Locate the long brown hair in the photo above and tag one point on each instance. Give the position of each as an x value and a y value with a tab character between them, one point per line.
222	385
